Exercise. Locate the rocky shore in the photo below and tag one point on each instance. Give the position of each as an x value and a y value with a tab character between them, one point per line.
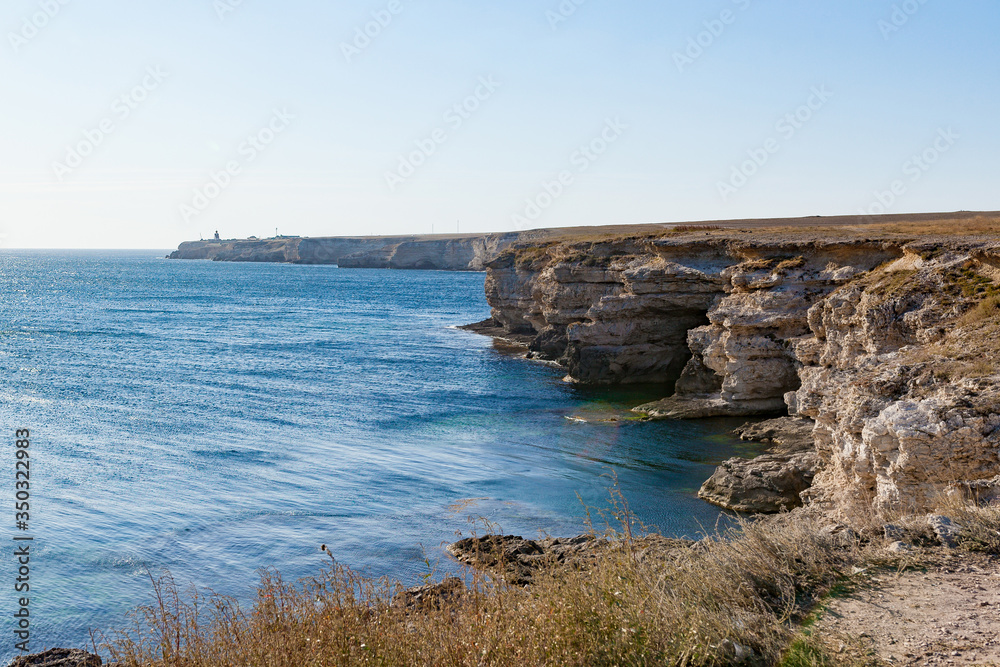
873	348
59	657
880	339
770	483
878	334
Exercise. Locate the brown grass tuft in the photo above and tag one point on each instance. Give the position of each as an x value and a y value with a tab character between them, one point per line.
978	524
986	310
680	229
721	600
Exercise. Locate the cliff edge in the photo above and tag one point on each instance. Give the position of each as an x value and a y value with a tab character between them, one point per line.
445	252
884	335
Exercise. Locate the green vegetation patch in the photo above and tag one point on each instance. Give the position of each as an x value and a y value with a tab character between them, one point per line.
973	283
806	652
891	283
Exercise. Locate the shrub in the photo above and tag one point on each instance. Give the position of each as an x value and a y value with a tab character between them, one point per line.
979	528
721	600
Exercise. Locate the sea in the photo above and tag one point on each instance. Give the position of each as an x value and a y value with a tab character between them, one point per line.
218	420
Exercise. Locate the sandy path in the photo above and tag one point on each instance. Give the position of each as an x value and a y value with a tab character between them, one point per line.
944	613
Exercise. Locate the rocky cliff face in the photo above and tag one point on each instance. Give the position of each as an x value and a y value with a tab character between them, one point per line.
887	343
450	253
250	250
900	374
453	254
715	316
611	312
743	360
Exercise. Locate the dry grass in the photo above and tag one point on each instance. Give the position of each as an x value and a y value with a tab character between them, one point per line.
912	226
970	349
536	248
980	529
982	224
680	229
719	601
986	310
759	264
789	264
979	524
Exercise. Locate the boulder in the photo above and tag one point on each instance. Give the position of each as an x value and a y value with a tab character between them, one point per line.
791	434
770	483
945	529
767	484
58	657
516	560
430	596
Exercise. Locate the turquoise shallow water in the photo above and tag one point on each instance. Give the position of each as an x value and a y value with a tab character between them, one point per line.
214	419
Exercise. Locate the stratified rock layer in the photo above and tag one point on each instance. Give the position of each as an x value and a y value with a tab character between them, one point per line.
900	376
887	342
450	253
742	361
714	316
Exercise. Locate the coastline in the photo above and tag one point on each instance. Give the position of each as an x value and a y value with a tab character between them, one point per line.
491	329
880	342
750	318
464	252
875	334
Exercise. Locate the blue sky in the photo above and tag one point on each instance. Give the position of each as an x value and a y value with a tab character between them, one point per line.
248	116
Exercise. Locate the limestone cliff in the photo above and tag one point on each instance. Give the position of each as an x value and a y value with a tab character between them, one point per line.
456	254
884	336
248	250
451	252
446	252
612	312
743	362
900	373
713	315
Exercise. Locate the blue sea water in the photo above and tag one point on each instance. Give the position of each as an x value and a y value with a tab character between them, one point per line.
214	419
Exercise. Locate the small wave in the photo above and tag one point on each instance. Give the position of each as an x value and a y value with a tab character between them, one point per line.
127	562
236	455
9	397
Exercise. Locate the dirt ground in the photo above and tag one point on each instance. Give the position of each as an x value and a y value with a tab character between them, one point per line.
936	607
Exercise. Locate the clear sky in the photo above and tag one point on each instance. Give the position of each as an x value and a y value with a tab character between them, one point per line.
140	124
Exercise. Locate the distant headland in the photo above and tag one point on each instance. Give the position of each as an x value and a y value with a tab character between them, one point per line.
472	252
